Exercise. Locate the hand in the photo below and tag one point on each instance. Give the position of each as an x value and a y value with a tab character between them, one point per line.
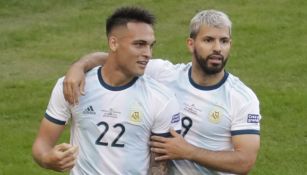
61	158
171	148
74	84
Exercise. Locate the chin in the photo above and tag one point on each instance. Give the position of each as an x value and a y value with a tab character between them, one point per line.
139	73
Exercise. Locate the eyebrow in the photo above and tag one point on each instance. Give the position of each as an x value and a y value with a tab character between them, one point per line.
213	38
144	42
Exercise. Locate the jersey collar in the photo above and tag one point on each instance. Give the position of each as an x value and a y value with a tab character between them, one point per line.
114	88
200	87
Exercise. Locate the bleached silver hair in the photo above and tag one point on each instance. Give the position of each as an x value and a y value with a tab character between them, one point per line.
211	18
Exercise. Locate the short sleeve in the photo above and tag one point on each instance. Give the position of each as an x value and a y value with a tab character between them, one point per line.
58	110
247	119
163	70
168	117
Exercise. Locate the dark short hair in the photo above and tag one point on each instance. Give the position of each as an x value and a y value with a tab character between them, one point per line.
123	15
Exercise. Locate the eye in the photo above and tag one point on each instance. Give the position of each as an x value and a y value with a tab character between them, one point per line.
139	44
207	40
152	45
225	41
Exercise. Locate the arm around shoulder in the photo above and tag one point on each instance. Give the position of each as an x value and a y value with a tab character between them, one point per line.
75	77
91	60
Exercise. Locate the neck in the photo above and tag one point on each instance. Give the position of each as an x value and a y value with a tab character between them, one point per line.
203	79
113	75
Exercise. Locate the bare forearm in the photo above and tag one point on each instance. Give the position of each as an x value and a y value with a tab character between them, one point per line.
238	161
91	60
157	167
39	149
45	141
227	161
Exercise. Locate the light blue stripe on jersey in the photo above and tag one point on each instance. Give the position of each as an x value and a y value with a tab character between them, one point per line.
237	85
53	120
248	131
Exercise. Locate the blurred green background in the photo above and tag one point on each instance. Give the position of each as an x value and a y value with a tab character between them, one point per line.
39	39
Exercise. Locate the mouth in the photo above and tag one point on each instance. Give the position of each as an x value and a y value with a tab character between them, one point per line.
216	59
142	63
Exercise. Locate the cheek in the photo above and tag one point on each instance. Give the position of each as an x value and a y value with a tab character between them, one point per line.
226	50
132	51
202	46
203	51
127	52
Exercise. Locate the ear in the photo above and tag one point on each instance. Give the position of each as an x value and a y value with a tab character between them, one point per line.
113	44
190	44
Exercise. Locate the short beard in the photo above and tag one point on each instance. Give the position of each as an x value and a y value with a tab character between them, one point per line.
203	63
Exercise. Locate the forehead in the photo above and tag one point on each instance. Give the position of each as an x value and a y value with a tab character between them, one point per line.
214	32
138	31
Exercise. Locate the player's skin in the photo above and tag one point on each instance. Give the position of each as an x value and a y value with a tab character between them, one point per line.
211	46
47	154
130	50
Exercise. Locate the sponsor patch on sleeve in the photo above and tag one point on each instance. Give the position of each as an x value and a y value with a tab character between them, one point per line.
175	118
252	118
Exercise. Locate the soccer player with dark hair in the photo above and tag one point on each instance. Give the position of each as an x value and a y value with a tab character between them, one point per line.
112	124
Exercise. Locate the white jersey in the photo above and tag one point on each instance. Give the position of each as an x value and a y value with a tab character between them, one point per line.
112	125
210	115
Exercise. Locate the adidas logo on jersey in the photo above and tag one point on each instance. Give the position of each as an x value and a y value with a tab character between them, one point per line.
89	110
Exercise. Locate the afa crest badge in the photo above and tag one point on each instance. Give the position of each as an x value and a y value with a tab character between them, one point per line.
215	116
135	117
135	114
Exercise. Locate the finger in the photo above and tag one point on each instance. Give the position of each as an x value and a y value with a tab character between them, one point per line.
69	96
64	152
70	152
173	132
82	84
163	157
71	155
158	138
66	91
69	166
76	93
156	144
158	150
63	147
67	161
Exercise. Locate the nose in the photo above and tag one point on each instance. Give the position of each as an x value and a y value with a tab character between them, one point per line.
147	52
217	47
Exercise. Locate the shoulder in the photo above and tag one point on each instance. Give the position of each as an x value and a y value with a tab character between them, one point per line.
167	65
93	72
59	83
153	87
92	76
165	71
240	90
